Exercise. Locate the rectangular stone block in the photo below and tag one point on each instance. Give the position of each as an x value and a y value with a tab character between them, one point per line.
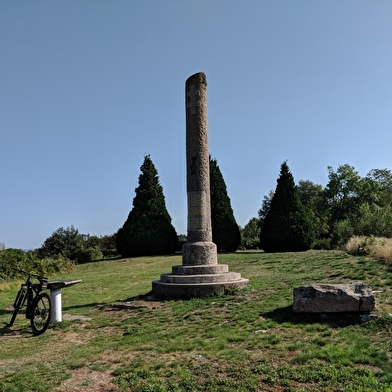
325	298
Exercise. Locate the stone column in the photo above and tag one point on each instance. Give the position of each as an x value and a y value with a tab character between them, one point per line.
200	274
199	249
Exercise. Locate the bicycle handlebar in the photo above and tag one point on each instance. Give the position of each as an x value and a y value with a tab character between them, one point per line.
29	274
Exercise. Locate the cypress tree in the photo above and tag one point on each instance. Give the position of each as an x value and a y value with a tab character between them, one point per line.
225	231
287	227
148	229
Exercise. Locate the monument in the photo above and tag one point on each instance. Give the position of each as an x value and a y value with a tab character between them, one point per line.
200	274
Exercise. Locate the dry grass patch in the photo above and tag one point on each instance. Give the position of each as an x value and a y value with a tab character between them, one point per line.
88	381
378	247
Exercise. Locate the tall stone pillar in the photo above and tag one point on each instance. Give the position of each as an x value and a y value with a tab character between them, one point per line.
199	249
200	274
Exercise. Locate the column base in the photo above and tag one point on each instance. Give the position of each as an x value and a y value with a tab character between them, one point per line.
198	290
199	253
200	275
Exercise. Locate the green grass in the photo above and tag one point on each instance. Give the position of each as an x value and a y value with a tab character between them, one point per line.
248	341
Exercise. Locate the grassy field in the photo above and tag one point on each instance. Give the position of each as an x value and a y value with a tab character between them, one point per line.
115	337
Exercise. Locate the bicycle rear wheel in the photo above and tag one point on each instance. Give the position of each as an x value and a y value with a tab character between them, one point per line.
41	313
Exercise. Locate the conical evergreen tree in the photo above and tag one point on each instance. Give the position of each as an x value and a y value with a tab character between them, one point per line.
148	229
287	227
225	231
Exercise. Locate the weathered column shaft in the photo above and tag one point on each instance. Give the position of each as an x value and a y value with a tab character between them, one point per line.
200	274
197	156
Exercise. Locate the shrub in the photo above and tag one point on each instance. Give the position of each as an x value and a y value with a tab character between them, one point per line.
250	234
10	258
322	244
342	231
17	258
49	265
90	254
66	242
107	244
375	220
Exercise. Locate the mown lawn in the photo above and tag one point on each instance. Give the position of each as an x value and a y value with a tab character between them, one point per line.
115	337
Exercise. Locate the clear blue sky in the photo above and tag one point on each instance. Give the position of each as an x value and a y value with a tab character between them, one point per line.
87	88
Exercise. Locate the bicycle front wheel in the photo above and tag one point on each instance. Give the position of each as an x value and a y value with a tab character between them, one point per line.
41	313
20	301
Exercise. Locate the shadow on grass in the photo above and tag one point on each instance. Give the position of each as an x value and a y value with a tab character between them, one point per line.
6	311
15	331
84	306
141	297
247	252
334	320
7	331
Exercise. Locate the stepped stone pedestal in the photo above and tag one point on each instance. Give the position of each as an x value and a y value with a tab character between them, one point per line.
200	274
199	279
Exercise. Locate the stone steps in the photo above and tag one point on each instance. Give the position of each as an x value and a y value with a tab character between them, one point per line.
204	278
200	269
195	290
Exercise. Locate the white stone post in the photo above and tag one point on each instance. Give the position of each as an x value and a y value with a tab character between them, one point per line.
57	312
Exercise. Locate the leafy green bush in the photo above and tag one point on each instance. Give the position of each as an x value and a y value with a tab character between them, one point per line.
90	254
28	261
107	245
73	245
342	231
50	265
322	244
9	259
374	220
66	242
250	234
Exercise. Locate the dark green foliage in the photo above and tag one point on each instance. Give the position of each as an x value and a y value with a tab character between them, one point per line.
10	258
383	177
148	229
358	205
348	205
287	227
343	192
17	258
71	244
265	206
374	220
89	254
66	242
251	234
107	245
225	231
312	198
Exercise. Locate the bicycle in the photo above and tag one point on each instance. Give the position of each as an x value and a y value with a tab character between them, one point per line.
37	302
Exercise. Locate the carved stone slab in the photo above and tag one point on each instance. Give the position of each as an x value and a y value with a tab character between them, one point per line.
324	298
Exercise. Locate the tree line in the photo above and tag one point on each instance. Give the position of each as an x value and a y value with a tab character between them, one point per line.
146	231
348	205
291	218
